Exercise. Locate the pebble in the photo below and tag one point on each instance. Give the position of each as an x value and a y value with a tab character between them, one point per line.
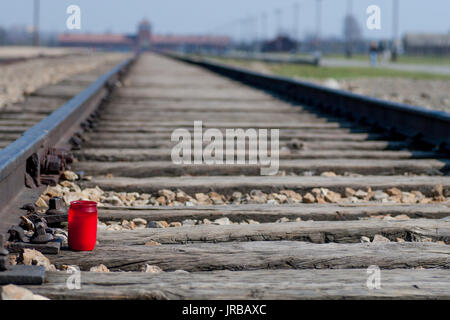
41	203
31	257
402	217
297	197
361	194
380	238
222	221
175	224
332	197
157	224
13	292
309	198
438	193
140	223
236	196
169	195
152	243
189	222
380	195
408	198
70	175
99	268
365	239
203	199
181	196
349	192
394	192
114	200
151	269
161	200
216	198
181	271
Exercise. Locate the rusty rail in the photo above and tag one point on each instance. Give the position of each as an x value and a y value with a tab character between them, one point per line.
40	146
417	123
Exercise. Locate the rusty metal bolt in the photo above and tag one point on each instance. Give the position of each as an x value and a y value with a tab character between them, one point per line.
26	223
41	236
55	206
76	141
52	164
16	234
30	207
4	260
3	251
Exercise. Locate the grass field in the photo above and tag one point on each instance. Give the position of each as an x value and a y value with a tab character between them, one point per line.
426	60
306	71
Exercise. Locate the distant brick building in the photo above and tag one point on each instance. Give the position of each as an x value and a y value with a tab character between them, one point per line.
143	40
433	44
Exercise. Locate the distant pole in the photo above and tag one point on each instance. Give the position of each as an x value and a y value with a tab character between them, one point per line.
295	31
395	12
318	22
349	51
264	27
278	19
242	31
36	23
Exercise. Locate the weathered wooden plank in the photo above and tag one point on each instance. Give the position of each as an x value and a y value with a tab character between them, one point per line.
139	116
311	231
339	166
124	154
15	123
258	284
267	213
226	94
59	91
284	135
229	184
302	145
119	104
238	124
256	255
13	129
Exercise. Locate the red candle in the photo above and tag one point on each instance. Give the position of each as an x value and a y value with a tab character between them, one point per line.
82	225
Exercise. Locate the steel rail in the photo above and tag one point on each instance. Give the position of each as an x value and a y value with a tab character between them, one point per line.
267	59
53	131
430	126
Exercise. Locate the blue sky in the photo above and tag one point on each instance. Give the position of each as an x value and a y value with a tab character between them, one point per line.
209	16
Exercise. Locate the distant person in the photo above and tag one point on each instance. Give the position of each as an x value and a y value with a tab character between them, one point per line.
381	49
373	50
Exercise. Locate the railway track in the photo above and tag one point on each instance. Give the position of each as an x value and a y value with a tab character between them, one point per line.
348	195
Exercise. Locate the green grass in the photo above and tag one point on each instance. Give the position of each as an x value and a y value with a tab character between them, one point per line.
312	72
305	71
423	60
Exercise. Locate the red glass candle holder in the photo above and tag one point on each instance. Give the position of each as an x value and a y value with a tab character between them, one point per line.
82	225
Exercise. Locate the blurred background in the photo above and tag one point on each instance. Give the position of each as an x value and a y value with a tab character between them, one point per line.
324	41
